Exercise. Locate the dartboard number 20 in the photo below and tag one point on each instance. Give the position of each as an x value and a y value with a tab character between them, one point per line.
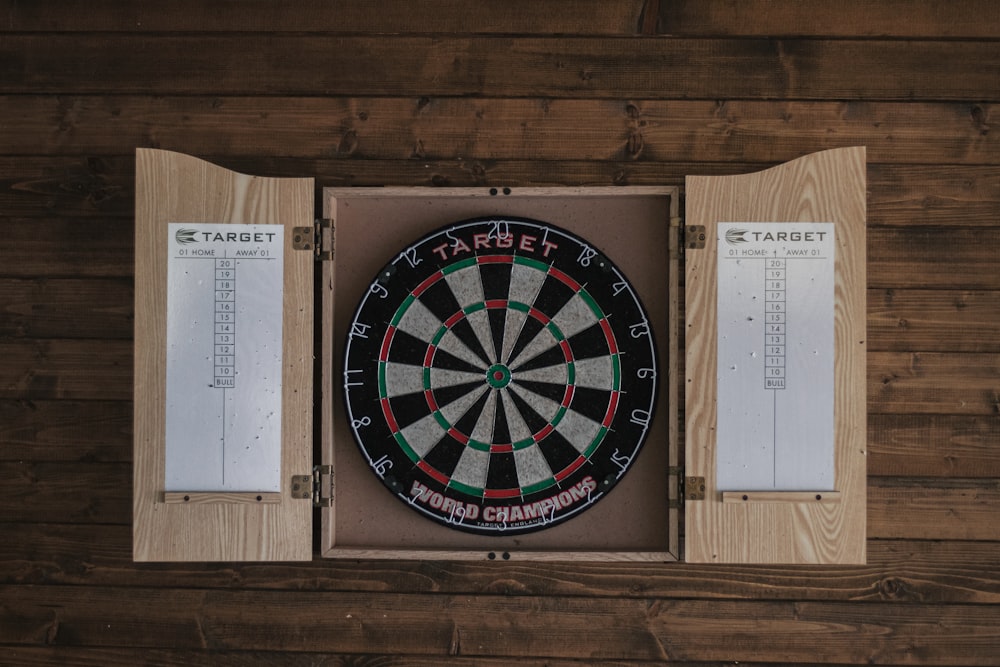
500	375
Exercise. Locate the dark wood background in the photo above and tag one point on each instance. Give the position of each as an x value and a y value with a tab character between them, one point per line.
452	92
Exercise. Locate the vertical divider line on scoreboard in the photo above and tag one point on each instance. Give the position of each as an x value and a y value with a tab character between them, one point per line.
775	345
225	338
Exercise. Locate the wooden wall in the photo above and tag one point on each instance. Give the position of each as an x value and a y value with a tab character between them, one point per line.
522	92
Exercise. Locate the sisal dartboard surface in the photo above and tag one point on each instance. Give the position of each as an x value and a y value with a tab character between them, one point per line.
500	375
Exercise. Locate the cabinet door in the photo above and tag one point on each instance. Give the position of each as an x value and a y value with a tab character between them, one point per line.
775	363
223	363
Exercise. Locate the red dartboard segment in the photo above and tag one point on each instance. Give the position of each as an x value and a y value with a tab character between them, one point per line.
565	279
458	435
612	410
567	396
431	279
502	493
495	259
539	315
387	413
570	469
436	475
431	403
488	391
383	353
609	334
538	437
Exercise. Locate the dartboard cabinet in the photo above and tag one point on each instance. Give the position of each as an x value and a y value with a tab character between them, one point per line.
485	372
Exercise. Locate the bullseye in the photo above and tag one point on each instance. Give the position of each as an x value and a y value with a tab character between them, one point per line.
498	376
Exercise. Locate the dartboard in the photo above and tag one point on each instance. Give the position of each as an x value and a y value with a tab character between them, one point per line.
500	375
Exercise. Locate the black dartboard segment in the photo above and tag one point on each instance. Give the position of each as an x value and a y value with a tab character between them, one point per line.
500	375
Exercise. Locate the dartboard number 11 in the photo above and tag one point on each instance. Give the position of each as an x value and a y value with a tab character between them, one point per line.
500	375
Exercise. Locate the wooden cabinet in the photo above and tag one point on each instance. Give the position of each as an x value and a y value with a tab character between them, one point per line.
191	215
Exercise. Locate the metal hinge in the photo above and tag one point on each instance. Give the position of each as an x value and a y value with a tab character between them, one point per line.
693	237
318	486
694	488
676	501
318	238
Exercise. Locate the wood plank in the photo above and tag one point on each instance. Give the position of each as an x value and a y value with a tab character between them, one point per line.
81	431
80	492
943	509
87	186
77	186
59	656
496	626
934	383
934	445
66	249
919	195
934	258
66	308
934	320
851	18
429	129
579	17
66	369
562	67
897	570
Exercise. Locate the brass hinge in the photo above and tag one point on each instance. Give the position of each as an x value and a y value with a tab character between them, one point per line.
694	488
693	237
322	486
302	487
676	499
318	486
318	238
675	241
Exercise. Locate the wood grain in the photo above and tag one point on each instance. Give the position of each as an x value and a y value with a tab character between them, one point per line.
481	626
387	16
174	187
906	571
63	430
65	369
933	320
934	383
481	128
571	67
952	509
803	532
934	445
851	18
66	308
114	657
66	249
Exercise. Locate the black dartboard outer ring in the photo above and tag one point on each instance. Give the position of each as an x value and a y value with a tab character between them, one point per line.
500	375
